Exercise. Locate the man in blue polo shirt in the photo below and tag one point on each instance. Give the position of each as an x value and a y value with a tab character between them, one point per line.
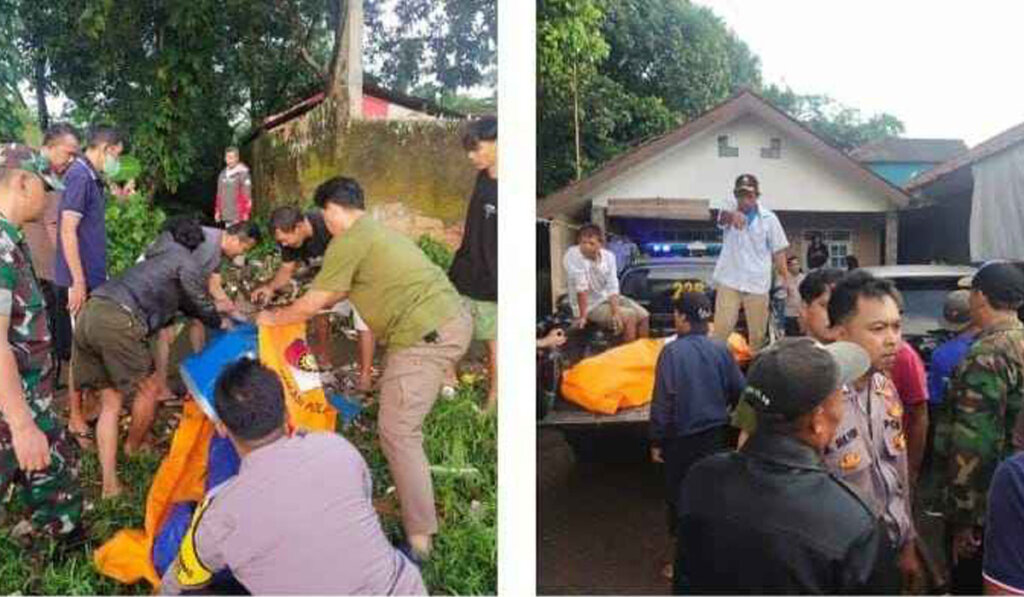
81	261
956	317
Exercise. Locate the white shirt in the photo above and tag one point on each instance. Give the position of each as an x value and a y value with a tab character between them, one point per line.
793	295
746	260
599	279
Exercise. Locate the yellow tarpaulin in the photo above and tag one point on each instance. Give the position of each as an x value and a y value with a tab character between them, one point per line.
623	377
182	474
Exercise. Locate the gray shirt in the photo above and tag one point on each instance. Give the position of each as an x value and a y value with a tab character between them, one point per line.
209	254
298	519
869	452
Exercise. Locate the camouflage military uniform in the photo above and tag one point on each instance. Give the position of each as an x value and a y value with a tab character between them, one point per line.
53	495
986	395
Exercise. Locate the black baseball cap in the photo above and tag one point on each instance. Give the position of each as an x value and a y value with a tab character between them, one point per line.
746	182
795	375
1001	281
956	312
695	306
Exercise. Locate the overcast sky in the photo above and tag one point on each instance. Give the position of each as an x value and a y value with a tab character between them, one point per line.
946	69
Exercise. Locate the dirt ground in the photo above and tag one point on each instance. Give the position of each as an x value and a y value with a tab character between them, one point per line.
601	526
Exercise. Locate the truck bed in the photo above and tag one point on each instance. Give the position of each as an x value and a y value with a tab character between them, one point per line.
565	414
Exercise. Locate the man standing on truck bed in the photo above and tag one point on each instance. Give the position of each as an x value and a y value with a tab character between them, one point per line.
752	239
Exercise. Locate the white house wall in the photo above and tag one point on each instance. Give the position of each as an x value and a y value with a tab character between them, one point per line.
799	181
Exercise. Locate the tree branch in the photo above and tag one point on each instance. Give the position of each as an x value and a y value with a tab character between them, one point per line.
309	60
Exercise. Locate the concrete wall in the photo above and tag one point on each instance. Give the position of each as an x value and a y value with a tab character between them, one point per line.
415	173
867	233
798	181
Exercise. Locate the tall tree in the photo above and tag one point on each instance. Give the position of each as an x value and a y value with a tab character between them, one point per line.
177	76
843	126
569	49
453	43
677	51
12	73
653	63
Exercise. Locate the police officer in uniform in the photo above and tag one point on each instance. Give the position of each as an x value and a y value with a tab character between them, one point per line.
869	450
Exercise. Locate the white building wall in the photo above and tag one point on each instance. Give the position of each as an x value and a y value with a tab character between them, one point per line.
396	112
799	180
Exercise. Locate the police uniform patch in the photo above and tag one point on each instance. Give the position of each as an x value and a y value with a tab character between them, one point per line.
849	461
192	573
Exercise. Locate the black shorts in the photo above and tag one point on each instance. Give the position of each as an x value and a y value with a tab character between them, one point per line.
61	323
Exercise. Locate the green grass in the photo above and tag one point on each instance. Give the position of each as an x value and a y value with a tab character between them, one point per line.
36	571
465	550
457	436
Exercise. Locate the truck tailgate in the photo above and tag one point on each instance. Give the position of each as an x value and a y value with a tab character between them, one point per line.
577	416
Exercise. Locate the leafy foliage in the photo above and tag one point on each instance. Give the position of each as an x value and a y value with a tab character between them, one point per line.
185	79
131	226
640	67
436	251
677	51
452	43
12	72
841	125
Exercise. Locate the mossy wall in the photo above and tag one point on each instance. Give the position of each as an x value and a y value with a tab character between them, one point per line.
420	164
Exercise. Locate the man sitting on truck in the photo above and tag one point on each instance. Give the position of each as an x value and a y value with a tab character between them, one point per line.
594	288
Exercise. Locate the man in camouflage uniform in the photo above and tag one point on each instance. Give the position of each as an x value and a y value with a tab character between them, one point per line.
986	394
34	451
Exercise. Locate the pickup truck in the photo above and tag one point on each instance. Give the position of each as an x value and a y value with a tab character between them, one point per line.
650	282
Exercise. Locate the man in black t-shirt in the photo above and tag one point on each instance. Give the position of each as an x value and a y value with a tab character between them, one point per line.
303	239
474	271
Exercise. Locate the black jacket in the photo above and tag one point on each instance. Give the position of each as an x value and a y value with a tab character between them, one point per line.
474	270
771	519
169	280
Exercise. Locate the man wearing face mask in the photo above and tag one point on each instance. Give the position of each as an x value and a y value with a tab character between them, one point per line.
35	455
752	241
60	145
81	262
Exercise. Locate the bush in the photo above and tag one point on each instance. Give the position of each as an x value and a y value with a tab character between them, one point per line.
131	226
437	251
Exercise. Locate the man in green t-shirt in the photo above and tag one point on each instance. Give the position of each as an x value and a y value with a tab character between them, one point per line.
414	311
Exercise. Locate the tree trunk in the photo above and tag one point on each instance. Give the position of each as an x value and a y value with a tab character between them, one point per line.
345	80
576	120
40	85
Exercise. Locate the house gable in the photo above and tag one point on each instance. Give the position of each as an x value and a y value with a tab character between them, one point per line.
876	193
798	179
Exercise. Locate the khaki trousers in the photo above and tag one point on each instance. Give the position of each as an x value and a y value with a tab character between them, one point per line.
727	311
408	389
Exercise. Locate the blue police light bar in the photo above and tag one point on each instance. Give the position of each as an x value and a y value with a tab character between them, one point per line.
683	249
